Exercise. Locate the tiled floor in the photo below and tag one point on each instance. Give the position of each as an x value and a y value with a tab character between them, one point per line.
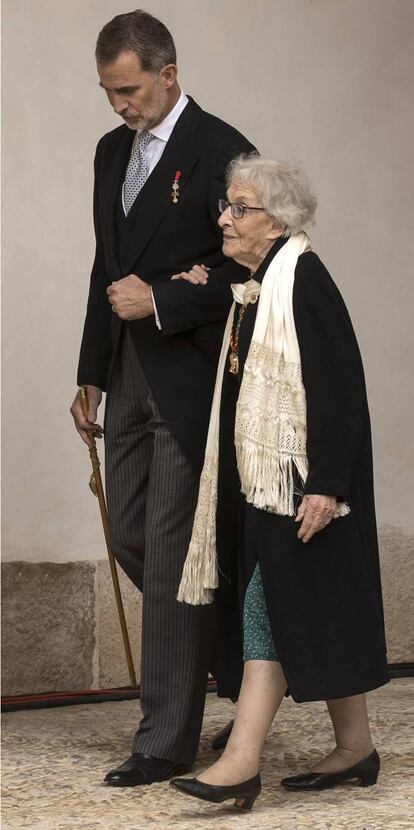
54	761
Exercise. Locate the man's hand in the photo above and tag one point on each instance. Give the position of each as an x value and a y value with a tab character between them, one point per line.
131	298
197	275
315	512
87	426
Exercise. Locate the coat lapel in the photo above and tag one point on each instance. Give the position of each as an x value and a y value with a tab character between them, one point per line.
181	153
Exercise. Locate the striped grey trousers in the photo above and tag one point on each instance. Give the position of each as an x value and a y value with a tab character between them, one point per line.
152	493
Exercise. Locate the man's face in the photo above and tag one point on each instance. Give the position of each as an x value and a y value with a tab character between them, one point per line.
140	98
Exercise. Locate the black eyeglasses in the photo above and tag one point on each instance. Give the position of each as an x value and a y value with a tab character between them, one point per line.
237	211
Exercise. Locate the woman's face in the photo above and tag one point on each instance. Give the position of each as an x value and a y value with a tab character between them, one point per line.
247	240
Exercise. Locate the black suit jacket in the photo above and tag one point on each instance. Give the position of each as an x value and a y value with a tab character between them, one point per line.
164	238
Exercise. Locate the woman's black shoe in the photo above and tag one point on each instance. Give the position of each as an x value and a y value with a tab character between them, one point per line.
366	771
245	794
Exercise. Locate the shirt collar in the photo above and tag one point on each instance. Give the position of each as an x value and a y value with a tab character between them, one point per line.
164	129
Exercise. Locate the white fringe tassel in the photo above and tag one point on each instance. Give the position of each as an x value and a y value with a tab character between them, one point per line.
200	573
267	479
200	577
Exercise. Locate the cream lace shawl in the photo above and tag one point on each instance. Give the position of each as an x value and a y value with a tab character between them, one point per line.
270	427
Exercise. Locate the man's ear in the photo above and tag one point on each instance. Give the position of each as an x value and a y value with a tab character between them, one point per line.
168	75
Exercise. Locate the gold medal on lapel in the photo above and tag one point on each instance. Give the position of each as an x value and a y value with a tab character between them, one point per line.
175	192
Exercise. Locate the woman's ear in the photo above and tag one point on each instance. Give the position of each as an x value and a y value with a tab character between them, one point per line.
276	231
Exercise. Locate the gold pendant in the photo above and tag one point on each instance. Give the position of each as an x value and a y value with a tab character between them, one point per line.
234	364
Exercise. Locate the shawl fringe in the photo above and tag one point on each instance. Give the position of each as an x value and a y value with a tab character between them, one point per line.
268	479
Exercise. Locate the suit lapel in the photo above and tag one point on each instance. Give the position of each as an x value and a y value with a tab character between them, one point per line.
181	153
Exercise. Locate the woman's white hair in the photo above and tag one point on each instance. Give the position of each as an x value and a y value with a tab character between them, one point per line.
282	187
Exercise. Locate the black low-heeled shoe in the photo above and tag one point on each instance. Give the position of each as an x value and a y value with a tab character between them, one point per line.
366	771
245	794
144	769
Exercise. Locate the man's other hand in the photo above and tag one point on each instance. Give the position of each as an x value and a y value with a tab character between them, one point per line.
87	426
130	298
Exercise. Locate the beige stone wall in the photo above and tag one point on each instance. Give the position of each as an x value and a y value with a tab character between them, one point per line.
61	630
396	549
327	82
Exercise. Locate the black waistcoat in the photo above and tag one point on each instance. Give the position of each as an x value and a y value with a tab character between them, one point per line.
123	226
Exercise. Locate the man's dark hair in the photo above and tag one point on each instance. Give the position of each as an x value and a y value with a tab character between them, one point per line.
137	32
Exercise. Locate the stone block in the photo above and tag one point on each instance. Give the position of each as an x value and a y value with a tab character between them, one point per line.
48	632
113	670
397	570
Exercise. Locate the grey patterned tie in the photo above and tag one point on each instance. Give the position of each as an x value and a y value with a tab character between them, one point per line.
137	170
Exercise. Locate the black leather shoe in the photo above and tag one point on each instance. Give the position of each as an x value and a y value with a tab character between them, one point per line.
143	769
366	771
219	740
245	793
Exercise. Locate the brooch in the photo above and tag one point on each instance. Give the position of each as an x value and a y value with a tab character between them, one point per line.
175	192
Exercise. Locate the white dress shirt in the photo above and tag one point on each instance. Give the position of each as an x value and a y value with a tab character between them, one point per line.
155	149
160	135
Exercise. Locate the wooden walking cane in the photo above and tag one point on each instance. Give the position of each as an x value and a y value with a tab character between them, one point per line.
95	484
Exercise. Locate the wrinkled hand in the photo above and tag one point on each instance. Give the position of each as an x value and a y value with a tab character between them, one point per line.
87	427
130	298
198	275
315	512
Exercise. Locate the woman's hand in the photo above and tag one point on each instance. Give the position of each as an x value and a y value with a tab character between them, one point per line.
315	512
198	275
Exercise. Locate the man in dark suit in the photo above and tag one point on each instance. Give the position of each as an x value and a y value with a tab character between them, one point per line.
153	343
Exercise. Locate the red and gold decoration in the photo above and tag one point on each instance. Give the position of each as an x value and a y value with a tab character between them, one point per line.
175	192
234	343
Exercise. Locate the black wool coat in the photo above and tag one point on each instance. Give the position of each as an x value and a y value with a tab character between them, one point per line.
159	239
323	597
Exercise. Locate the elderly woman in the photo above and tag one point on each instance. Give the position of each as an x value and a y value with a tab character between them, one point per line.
288	470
